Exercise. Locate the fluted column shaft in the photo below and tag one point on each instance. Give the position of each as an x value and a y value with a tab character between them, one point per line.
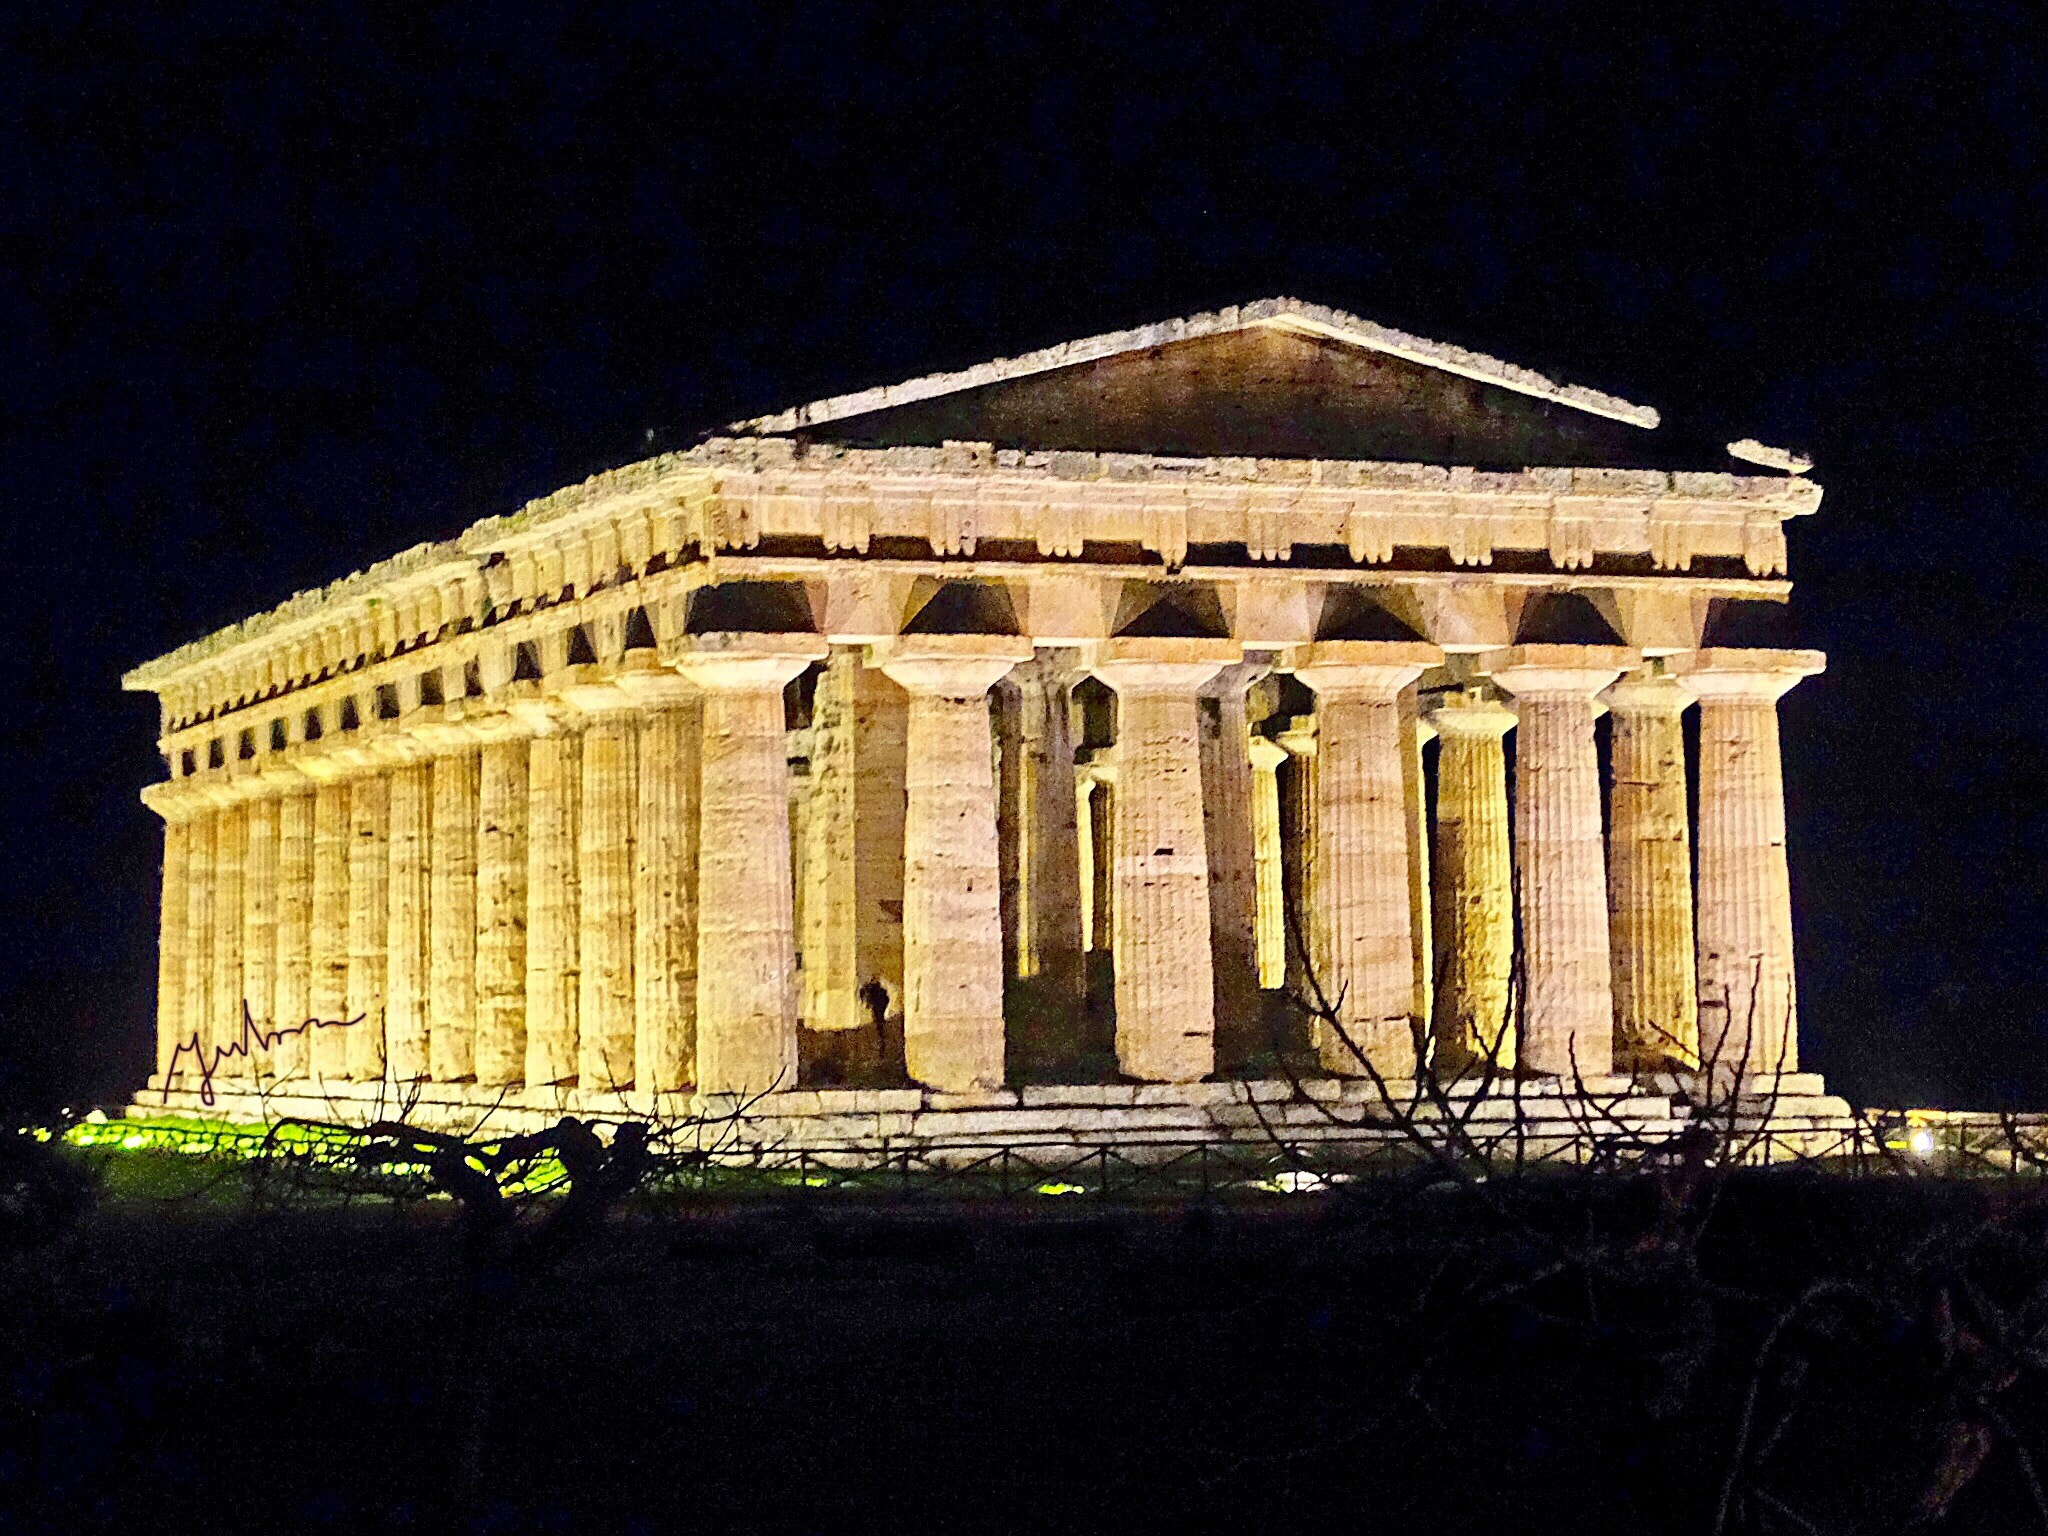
553	905
1567	1024
1364	942
229	851
1267	756
1649	876
606	997
1748	998
1474	914
292	971
746	939
1227	813
451	971
1045	928
369	891
408	932
170	952
853	843
952	878
259	928
329	943
1165	982
665	889
501	911
197	993
1299	906
1416	733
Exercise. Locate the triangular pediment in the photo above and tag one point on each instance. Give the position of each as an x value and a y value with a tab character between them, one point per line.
1275	379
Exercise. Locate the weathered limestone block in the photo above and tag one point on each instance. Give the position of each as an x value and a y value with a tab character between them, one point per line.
1567	1025
170	953
1227	812
952	886
746	941
1364	948
853	843
1267	755
553	905
292	970
1748	998
406	944
606	996
1165	987
1474	916
1649	876
259	928
452	909
665	887
501	912
369	891
229	850
328	975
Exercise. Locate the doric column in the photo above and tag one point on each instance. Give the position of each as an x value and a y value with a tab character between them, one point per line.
1567	1023
1748	999
1165	986
1042	853
328	976
1649	876
1416	733
554	796
369	906
746	940
1267	755
197	992
952	882
1095	838
1364	950
292	971
664	876
229	850
605	997
1227	813
259	928
168	802
1473	914
853	843
407	936
1299	906
501	907
451	908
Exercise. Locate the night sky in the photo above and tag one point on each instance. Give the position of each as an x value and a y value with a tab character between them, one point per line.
286	289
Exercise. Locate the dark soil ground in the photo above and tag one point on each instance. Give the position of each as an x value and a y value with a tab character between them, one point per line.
1413	1355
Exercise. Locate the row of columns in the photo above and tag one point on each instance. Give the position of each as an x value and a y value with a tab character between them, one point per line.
597	887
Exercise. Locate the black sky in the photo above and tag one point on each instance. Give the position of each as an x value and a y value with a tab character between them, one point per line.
286	289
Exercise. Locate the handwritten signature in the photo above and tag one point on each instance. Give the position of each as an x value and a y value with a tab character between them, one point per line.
254	1036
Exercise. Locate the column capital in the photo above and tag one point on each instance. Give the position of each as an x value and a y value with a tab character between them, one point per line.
1267	754
174	800
1558	671
1647	692
950	666
1158	665
651	684
1470	714
1299	737
735	661
1726	672
1378	668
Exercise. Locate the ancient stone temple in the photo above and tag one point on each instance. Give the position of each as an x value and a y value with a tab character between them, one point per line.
1265	705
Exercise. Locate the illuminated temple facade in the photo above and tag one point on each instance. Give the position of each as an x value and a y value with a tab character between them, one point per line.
992	756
